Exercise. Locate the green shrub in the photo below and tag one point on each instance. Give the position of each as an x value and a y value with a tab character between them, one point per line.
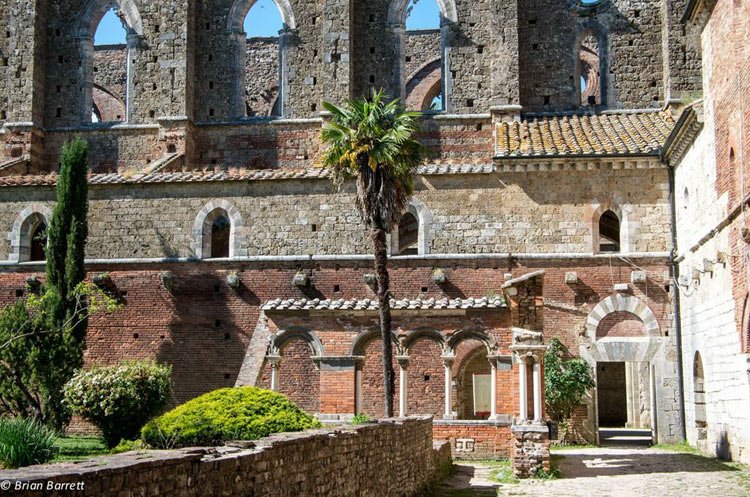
361	419
24	442
128	445
120	399
242	413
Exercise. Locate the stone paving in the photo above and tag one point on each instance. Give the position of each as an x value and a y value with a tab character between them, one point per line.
614	472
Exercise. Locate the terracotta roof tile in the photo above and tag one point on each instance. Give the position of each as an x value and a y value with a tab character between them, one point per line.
623	133
228	175
372	305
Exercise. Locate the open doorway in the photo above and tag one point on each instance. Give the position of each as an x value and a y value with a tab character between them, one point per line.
623	391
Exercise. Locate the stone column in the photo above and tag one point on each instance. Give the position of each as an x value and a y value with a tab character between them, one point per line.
537	379
285	37
522	393
358	386
403	363
447	364
274	361
493	388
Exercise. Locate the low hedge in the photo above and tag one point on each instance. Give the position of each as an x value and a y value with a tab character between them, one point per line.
240	413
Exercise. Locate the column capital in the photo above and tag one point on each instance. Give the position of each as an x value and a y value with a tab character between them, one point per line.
403	361
273	360
448	359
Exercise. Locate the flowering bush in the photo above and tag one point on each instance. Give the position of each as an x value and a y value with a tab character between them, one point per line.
120	399
241	413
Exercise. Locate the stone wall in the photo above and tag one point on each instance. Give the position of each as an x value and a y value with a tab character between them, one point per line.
483	213
530	450
710	194
393	458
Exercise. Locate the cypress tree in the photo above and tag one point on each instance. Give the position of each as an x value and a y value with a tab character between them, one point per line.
60	352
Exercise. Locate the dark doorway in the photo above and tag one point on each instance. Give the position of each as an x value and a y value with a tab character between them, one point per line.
611	394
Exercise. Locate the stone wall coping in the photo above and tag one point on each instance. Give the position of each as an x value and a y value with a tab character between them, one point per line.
473	422
361	257
532	428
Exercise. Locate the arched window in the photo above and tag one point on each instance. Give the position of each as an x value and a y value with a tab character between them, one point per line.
109	31
699	396
261	91
591	70
33	242
408	234
110	70
217	233
420	75
609	232
412	236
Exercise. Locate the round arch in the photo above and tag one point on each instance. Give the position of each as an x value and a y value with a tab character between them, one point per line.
397	11
280	339
201	248
240	8
20	231
419	210
468	334
362	339
426	333
94	10
621	303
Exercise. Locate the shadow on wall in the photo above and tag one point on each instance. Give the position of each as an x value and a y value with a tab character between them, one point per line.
207	343
723	448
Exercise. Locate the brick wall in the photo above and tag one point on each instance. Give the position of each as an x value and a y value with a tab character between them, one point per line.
388	459
475	440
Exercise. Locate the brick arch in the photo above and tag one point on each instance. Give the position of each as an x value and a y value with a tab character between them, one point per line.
19	232
598	62
363	339
280	339
423	333
621	303
420	86
468	334
236	234
108	105
622	324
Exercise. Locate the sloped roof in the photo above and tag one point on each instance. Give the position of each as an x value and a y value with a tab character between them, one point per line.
372	305
609	134
231	174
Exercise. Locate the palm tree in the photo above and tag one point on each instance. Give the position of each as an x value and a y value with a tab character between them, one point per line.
371	141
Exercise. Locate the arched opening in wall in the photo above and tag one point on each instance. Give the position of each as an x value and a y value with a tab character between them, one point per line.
298	377
263	57
370	382
425	382
422	57
699	396
33	243
609	232
108	87
408	235
591	70
217	235
471	381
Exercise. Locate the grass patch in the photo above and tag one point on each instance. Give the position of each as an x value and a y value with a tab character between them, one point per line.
502	472
76	448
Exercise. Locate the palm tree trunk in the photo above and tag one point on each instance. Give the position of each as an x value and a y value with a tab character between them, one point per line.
384	306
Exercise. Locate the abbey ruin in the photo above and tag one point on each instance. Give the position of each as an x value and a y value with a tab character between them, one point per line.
587	182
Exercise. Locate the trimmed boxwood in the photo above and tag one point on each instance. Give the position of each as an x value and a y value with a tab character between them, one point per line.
240	413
